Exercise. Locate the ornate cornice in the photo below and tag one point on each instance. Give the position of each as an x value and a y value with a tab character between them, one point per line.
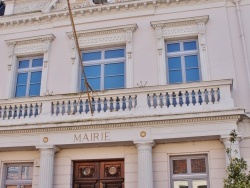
50	12
118	125
104	31
30	40
180	22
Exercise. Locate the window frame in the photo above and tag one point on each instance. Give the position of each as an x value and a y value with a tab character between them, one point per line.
18	183
102	62
28	70
189	177
182	55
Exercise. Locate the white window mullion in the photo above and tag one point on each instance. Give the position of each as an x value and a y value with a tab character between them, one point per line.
102	77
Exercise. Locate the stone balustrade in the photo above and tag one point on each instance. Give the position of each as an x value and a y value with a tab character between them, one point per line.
134	102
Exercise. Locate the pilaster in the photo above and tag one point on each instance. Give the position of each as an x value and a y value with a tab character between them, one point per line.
47	154
145	163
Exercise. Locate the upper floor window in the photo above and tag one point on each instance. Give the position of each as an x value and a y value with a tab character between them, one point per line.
104	69
189	172
2	8
18	176
182	61
29	74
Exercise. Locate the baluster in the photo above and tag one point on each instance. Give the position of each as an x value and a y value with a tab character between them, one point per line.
184	99
171	100
155	102
210	96
119	103
99	105
77	107
87	109
35	107
111	104
203	96
149	101
84	107
130	102
105	104
1	112
126	103
178	100
196	95
216	96
60	107
12	112
53	109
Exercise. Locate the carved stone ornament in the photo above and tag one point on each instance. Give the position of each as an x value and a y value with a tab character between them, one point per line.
47	10
30	45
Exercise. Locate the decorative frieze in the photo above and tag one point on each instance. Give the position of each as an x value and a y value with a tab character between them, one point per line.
29	6
58	9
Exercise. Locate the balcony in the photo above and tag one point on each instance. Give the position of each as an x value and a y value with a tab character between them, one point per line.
117	106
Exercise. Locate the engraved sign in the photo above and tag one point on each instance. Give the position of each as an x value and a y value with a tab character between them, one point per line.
91	137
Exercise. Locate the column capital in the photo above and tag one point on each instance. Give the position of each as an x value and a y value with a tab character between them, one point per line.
49	148
144	144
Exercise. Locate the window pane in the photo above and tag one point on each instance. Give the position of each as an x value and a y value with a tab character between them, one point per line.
175	77
12	173
114	82
37	62
21	91
180	184
93	82
90	56
22	78
92	71
114	69
199	184
27	172
198	165
114	53
190	45
23	64
36	77
34	89
180	166
192	75
173	47
191	61
174	63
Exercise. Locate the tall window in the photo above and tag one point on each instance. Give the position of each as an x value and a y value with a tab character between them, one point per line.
29	75
182	62
104	69
189	172
18	176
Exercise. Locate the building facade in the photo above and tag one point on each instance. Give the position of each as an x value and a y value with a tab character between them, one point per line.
170	80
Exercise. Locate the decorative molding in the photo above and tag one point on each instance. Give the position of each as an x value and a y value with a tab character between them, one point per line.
29	6
180	28
24	47
117	125
57	9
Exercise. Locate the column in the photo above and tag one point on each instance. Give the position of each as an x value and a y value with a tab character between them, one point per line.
145	166
46	166
234	146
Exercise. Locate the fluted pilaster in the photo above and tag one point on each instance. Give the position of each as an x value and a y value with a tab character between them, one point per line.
46	166
145	166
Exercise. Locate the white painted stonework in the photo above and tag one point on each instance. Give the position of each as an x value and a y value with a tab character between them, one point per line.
146	124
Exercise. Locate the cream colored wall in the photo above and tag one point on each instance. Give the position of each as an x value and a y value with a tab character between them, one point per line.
20	157
63	169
